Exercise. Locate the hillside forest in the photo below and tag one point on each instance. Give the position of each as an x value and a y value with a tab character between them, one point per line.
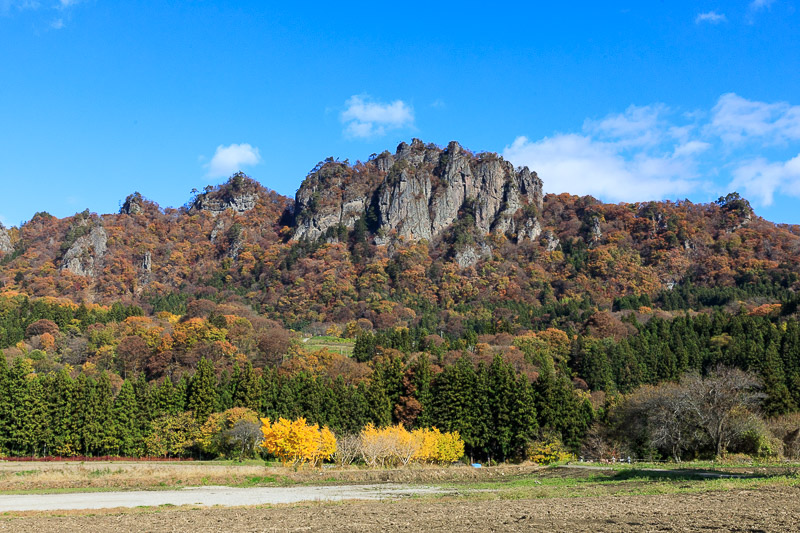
660	330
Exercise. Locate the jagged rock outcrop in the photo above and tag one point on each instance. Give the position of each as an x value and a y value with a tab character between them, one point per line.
133	205
218	227
5	241
470	255
136	204
85	256
551	241
240	203
145	272
531	229
595	233
147	263
417	193
240	194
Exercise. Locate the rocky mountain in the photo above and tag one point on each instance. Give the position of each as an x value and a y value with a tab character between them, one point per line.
417	193
424	235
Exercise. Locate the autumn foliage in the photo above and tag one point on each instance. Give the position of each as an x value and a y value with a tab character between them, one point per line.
295	442
396	446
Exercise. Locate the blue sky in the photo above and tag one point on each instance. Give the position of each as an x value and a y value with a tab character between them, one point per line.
627	101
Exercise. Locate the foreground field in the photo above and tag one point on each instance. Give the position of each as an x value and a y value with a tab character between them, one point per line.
507	498
768	509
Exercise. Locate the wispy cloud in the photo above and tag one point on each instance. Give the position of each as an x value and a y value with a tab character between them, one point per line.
712	17
364	117
19	5
230	159
580	164
756	5
653	152
736	119
761	179
637	126
62	9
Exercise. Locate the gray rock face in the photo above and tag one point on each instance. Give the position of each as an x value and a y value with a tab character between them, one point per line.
132	205
418	192
470	255
595	232
218	227
551	241
147	262
85	256
531	230
240	203
336	193
145	271
5	241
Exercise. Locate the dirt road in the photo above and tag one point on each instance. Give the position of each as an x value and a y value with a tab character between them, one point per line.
204	496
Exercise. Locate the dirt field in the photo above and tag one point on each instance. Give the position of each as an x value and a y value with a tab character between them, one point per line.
768	509
505	498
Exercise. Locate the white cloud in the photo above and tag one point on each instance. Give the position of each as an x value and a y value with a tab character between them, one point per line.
639	154
637	126
228	160
57	24
582	165
761	179
6	5
690	148
712	17
736	119
653	152
755	5
365	118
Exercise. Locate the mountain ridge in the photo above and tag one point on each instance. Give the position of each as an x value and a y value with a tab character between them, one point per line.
423	228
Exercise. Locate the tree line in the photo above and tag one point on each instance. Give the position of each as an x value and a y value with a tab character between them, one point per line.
496	410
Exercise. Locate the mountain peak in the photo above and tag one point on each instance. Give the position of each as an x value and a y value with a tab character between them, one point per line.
418	193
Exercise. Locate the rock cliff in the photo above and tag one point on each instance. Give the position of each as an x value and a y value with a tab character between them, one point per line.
5	241
240	194
85	256
417	193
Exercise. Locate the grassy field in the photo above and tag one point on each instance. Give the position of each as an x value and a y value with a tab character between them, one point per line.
334	344
505	481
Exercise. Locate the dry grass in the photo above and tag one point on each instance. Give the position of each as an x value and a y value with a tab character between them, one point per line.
34	477
48	476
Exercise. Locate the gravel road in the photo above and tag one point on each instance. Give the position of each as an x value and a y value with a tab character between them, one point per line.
205	496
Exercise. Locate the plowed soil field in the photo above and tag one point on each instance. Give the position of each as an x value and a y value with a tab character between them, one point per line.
766	509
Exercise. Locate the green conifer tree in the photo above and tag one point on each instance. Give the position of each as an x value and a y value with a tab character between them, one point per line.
202	393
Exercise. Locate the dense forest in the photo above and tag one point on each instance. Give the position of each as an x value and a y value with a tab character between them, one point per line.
541	318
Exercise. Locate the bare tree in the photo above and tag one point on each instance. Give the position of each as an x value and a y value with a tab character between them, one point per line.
659	414
348	449
672	426
245	435
719	400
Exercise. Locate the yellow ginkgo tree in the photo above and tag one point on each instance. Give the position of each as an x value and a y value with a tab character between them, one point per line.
296	442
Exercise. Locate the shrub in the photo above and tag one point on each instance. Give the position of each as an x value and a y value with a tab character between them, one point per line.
396	446
548	450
